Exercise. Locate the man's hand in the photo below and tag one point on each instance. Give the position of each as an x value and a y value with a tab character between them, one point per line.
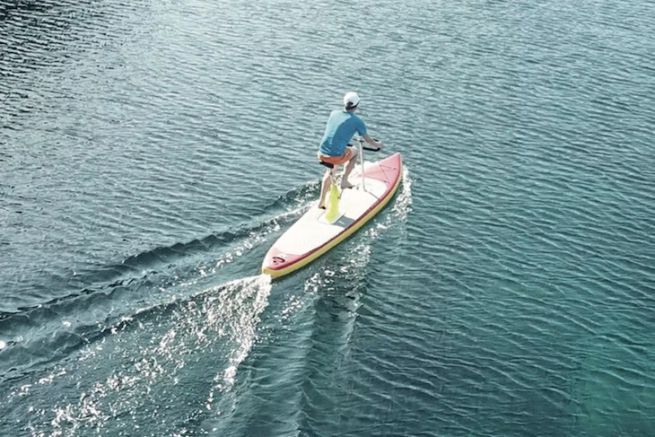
373	142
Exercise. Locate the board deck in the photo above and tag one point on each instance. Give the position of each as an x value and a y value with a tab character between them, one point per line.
312	236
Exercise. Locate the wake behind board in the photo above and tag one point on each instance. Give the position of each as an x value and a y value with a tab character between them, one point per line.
312	236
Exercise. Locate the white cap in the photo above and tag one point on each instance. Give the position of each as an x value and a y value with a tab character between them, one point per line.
350	100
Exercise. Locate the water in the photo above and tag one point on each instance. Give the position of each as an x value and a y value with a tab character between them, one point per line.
151	152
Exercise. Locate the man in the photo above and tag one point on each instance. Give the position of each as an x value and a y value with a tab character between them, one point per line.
334	149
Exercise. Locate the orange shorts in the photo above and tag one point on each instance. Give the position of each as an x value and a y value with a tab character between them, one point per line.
338	160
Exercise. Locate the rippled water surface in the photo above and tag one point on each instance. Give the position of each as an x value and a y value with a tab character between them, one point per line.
152	151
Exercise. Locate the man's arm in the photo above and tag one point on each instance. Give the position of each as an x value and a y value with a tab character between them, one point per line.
372	142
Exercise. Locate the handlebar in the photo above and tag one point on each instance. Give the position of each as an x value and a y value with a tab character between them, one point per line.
365	147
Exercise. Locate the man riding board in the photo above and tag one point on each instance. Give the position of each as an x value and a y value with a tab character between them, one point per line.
335	148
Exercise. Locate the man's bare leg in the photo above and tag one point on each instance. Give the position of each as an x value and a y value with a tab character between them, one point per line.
325	186
349	169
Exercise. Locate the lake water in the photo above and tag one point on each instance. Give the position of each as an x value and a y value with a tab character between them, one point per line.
152	151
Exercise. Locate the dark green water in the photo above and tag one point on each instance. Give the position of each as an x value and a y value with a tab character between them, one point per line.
151	152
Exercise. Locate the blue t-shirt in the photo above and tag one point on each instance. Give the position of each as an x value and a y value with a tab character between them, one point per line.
339	130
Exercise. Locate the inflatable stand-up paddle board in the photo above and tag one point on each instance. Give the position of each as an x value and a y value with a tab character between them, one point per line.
313	234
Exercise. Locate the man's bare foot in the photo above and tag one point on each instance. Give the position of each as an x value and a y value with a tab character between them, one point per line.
345	185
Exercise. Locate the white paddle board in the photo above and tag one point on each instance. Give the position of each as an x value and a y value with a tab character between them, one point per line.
312	236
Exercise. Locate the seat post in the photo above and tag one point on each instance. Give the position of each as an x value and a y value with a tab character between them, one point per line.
333	175
332	214
333	171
